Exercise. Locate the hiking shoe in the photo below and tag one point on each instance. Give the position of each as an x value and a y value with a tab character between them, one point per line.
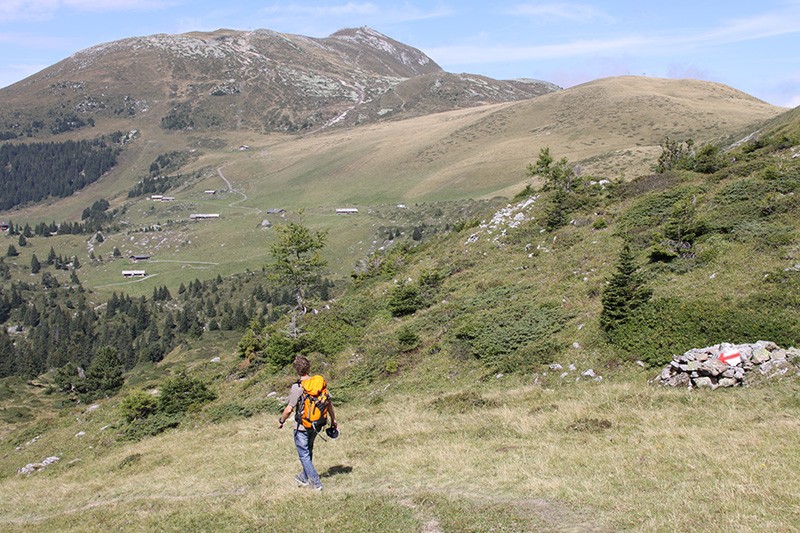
300	481
317	488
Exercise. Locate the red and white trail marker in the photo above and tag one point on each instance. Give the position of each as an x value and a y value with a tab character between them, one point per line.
731	358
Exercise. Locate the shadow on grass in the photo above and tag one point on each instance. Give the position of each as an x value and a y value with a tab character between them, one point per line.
336	470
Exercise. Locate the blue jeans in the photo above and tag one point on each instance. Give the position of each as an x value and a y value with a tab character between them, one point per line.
304	442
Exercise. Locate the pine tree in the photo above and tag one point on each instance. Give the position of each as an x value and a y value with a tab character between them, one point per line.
8	361
624	293
36	266
12	251
297	259
104	376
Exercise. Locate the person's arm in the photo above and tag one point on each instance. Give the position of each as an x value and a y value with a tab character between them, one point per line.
294	394
332	415
287	411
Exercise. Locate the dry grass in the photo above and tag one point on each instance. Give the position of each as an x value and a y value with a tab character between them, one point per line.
621	455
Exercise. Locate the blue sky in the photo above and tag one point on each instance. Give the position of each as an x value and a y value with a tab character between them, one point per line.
751	46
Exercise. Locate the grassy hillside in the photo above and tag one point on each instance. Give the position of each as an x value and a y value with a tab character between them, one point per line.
462	452
475	153
475	387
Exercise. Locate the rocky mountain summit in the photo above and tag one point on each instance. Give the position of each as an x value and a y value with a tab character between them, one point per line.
260	80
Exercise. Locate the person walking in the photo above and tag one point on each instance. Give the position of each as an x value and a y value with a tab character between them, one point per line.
304	437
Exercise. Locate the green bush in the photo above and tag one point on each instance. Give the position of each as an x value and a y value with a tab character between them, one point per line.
662	328
741	191
104	376
407	339
228	411
137	405
653	210
331	332
404	299
148	427
182	393
509	339
279	349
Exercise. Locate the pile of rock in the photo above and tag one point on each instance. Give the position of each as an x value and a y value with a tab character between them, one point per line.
729	365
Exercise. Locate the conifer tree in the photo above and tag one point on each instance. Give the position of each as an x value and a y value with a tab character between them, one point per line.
624	293
36	266
297	259
104	376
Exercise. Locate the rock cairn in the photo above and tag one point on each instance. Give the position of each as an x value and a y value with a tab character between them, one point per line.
730	365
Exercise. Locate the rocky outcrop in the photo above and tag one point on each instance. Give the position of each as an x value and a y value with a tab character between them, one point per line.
30	468
730	365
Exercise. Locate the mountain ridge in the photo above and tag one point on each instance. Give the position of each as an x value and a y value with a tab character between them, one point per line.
260	80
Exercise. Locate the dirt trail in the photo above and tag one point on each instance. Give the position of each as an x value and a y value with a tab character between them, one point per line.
231	189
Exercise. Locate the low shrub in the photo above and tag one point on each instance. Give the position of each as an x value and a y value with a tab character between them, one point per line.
228	411
404	299
182	393
461	401
510	339
407	339
148	427
138	404
662	328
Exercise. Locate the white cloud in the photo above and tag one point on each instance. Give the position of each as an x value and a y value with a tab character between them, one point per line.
364	10
793	102
684	71
667	43
331	10
489	54
562	10
780	22
118	5
46	9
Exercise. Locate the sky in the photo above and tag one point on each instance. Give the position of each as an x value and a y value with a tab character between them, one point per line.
751	46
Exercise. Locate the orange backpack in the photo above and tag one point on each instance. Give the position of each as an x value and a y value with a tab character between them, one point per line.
312	406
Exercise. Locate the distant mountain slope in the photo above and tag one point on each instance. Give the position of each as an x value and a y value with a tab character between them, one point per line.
612	127
260	80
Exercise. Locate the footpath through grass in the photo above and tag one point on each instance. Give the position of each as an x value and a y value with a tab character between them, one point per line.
505	455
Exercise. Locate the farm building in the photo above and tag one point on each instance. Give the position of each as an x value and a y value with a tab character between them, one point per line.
134	273
140	257
347	211
210	191
203	216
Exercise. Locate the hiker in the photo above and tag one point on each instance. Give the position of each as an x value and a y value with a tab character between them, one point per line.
305	430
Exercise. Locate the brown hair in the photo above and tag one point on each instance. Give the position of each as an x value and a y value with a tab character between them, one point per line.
301	365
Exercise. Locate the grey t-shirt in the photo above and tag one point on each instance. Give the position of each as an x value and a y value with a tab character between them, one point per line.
294	395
